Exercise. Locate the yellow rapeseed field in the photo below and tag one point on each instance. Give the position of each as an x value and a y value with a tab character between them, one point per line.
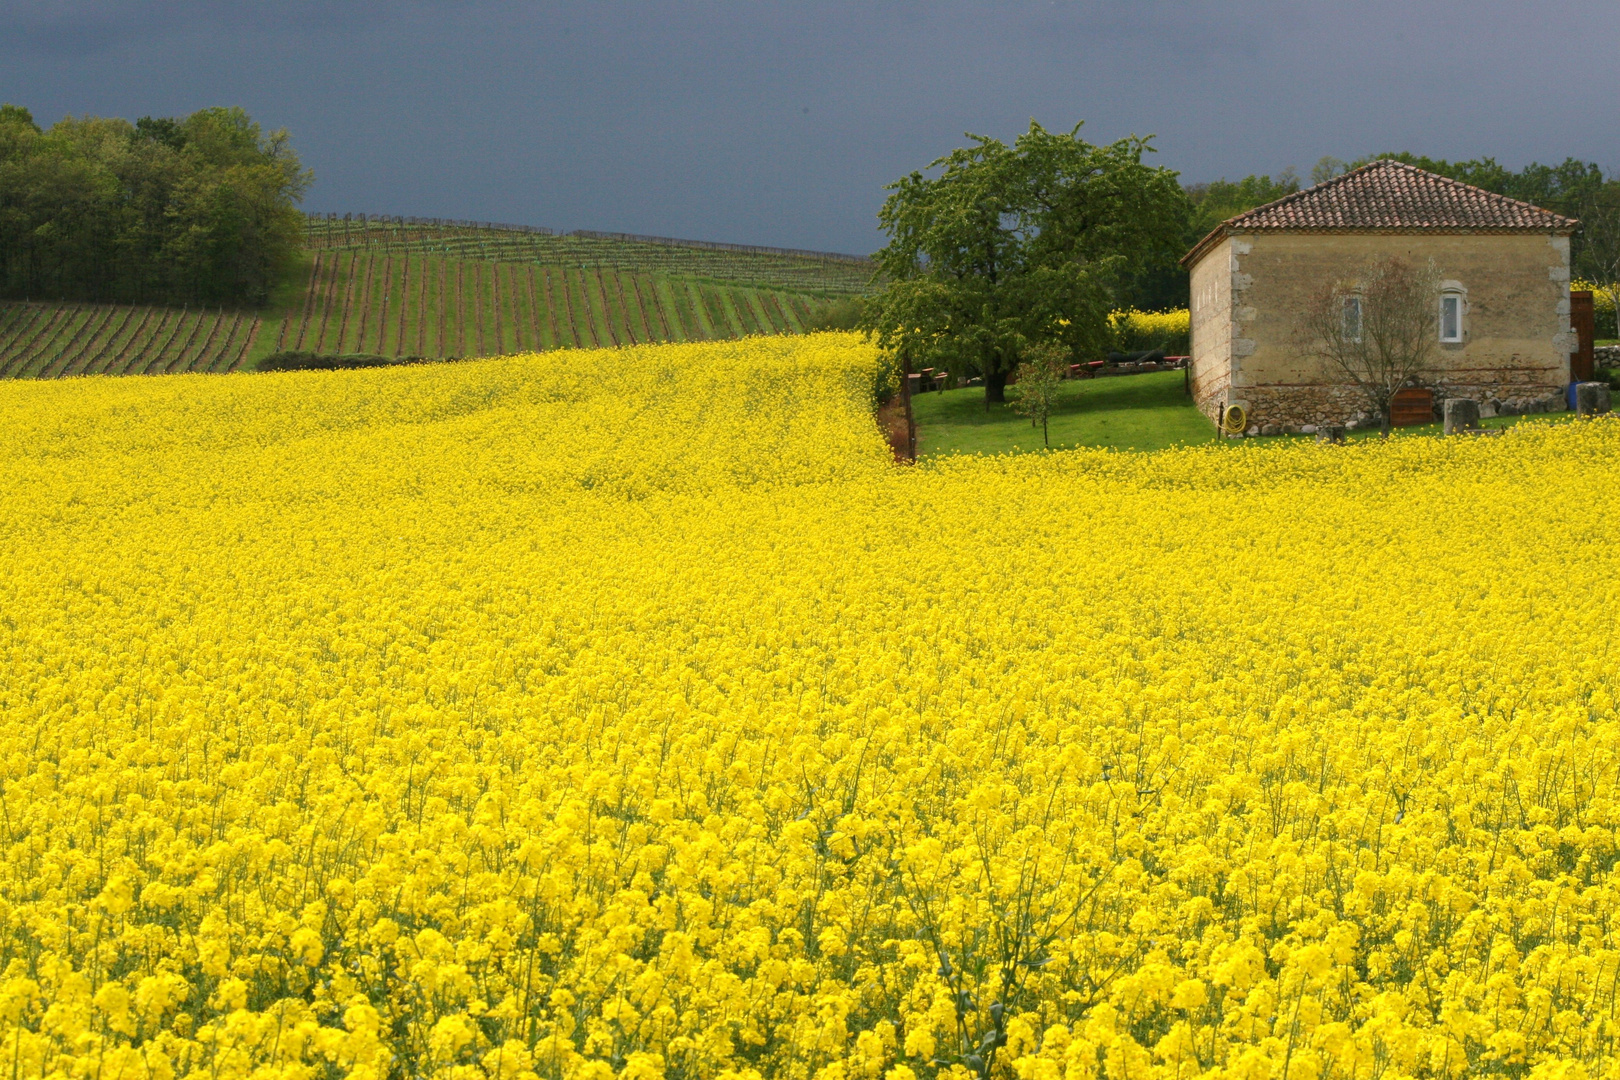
1167	330
630	714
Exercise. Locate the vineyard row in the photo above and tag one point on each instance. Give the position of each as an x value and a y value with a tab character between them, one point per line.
47	341
780	269
399	304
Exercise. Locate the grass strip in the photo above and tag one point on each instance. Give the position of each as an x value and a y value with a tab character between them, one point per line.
185	346
500	324
404	304
102	343
43	336
30	334
303	314
583	312
669	309
697	307
204	350
384	283
247	344
156	357
224	350
325	304
600	298
119	361
79	344
65	333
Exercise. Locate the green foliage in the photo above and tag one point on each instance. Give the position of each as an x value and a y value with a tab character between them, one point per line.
843	313
1218	200
1040	378
1157	283
198	210
292	360
1013	247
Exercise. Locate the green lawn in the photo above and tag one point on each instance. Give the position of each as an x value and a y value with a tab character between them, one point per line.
1127	412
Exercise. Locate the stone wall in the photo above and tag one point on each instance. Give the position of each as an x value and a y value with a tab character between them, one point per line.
1516	338
1292	407
1210	317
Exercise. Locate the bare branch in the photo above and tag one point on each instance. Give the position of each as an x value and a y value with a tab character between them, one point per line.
1378	329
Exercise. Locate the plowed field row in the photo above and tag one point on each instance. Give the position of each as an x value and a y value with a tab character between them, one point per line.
45	341
399	304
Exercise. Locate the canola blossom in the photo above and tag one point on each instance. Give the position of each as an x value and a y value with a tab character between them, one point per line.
1168	330
631	714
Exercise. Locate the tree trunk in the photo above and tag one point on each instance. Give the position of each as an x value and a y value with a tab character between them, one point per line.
995	387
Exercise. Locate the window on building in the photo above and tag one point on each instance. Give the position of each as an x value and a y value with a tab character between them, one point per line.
1352	318
1451	313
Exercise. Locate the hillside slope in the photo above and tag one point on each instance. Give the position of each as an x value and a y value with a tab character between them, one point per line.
43	341
398	288
819	272
404	304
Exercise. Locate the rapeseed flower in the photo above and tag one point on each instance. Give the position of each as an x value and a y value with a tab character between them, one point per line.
629	714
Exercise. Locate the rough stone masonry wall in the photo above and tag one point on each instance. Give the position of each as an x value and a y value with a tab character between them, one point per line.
1276	409
1210	365
1515	351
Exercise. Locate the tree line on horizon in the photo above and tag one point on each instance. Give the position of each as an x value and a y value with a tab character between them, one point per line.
194	210
204	209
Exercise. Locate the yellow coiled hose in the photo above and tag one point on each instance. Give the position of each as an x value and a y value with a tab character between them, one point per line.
1234	421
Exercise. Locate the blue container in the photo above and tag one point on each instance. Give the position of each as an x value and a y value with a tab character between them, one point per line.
1569	396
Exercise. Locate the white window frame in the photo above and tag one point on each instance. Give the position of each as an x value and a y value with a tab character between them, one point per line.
1462	306
1351	303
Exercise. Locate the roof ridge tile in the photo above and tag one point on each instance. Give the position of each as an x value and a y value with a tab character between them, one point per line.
1390	196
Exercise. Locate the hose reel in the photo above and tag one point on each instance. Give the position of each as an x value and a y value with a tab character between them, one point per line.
1234	420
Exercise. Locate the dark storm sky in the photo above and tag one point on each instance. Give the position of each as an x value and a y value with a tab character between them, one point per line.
779	123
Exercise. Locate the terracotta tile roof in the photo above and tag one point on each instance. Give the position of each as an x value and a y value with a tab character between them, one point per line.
1390	196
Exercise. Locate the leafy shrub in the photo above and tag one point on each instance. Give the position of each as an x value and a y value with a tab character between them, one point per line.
841	314
293	360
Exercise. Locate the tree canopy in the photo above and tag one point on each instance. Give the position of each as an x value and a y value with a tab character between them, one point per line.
1008	248
200	209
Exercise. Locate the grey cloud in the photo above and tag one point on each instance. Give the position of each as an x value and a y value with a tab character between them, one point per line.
780	122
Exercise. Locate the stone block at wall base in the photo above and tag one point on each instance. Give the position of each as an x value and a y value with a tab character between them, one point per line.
1295	405
1461	414
1591	398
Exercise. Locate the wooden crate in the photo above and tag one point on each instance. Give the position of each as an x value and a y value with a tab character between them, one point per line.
1412	406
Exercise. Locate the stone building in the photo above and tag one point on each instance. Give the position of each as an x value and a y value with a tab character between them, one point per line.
1502	320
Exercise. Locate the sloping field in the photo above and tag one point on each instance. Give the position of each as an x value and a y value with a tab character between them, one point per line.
822	273
397	303
635	718
53	340
402	304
